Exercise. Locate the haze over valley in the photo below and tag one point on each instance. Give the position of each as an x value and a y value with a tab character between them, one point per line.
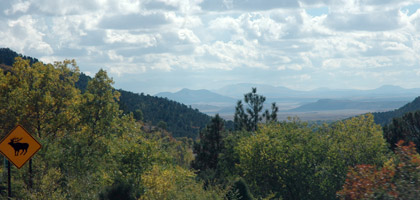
317	104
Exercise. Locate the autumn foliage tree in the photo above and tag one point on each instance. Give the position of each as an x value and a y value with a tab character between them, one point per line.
399	178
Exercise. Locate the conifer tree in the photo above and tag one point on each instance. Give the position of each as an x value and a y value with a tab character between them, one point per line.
249	120
209	145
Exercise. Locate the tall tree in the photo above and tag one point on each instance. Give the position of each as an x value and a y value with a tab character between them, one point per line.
271	117
247	119
240	120
209	146
41	97
100	107
255	105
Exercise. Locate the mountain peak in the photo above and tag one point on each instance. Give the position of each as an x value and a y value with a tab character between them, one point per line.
188	96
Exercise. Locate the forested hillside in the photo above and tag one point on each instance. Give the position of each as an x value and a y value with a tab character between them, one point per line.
7	57
177	118
384	118
180	120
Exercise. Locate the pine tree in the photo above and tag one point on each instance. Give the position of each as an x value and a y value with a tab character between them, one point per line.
249	120
209	145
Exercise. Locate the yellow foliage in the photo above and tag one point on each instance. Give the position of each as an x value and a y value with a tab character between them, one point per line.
174	183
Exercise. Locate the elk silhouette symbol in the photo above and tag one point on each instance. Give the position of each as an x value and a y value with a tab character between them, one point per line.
14	142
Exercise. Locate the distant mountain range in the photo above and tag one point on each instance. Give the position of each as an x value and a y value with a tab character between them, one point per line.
331	104
294	102
189	97
386	92
228	95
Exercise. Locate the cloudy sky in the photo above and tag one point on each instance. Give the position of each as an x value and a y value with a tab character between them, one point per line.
165	45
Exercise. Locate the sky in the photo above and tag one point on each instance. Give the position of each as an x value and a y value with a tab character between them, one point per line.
154	46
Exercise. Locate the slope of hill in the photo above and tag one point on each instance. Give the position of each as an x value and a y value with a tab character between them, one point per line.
331	104
181	120
384	118
188	96
7	57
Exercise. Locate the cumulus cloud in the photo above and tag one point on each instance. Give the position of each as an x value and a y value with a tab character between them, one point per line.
298	41
22	34
123	36
134	21
371	21
247	5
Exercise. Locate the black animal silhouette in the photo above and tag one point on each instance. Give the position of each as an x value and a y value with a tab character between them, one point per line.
14	142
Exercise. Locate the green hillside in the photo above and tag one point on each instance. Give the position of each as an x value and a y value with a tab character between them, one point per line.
181	121
384	118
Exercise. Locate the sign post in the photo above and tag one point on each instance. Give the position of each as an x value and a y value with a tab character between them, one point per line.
18	147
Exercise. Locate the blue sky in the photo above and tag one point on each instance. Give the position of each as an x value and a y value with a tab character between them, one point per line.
166	45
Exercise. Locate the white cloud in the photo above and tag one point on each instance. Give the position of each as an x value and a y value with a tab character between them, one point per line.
294	67
126	68
122	36
357	63
18	7
305	77
135	21
22	34
246	5
257	38
188	35
114	57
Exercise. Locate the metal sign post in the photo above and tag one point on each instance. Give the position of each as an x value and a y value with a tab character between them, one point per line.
18	147
9	181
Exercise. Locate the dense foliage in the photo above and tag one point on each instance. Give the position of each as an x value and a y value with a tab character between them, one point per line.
294	161
405	128
398	178
7	57
91	149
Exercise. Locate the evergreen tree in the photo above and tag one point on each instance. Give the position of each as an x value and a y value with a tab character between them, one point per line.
249	120
405	128
255	105
271	117
240	120
209	145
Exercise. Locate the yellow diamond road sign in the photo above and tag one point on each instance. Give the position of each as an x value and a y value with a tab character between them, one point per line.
19	146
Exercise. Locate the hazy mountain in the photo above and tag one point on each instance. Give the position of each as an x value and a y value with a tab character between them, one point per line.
205	97
330	104
238	90
384	93
324	101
